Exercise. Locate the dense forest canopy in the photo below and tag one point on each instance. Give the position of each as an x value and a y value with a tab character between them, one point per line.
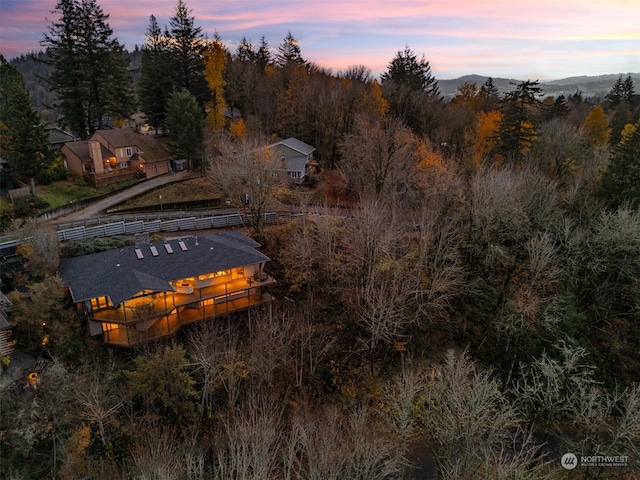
462	278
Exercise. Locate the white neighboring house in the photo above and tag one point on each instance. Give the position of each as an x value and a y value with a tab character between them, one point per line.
297	158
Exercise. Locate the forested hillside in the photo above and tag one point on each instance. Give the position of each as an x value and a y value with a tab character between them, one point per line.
462	284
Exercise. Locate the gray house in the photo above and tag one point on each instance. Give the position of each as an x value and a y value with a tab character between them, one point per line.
297	158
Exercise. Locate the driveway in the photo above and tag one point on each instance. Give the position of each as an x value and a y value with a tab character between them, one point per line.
96	208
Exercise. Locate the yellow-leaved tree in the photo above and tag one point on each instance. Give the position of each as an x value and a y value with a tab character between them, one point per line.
374	100
596	127
215	64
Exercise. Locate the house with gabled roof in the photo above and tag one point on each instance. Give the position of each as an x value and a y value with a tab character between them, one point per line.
297	158
111	156
141	293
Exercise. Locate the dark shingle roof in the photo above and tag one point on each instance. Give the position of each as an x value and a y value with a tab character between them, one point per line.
119	274
81	150
57	136
152	148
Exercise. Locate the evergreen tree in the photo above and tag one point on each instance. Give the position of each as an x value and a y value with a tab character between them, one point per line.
620	182
256	55
622	91
490	95
155	81
628	89
406	69
23	139
245	51
185	126
412	91
90	74
517	130
557	109
263	55
288	54
187	48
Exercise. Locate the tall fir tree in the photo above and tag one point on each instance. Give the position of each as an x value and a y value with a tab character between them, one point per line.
90	75
622	91
620	182
185	126
490	95
263	54
517	127
289	53
412	91
407	69
155	76
187	47
23	140
245	52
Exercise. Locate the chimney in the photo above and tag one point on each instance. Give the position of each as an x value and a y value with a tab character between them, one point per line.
95	153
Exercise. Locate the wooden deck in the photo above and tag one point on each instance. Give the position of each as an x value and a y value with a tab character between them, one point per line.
130	335
147	318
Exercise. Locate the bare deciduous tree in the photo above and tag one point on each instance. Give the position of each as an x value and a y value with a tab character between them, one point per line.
161	452
380	285
248	174
271	344
378	157
97	397
253	440
443	276
215	351
334	445
562	391
469	418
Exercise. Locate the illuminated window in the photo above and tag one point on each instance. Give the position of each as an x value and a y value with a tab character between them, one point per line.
222	273
240	271
106	327
99	303
206	276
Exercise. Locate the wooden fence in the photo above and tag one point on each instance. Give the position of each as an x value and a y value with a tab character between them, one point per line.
154	225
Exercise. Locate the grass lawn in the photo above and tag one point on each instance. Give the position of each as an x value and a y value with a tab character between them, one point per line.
61	193
194	189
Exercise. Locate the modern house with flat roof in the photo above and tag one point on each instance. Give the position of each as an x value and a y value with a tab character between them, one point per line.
136	294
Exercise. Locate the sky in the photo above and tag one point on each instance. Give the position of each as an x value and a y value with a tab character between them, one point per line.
517	39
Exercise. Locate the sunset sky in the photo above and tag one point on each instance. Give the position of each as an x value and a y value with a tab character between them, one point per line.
520	39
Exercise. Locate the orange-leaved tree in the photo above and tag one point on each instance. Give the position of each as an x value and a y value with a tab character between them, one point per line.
486	130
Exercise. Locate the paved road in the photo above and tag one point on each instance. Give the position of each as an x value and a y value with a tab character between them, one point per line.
94	209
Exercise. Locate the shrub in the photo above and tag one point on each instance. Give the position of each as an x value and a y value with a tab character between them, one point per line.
28	205
94	245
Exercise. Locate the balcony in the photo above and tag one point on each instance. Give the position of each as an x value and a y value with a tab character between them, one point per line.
150	317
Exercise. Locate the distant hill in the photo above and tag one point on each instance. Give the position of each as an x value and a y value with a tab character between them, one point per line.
595	86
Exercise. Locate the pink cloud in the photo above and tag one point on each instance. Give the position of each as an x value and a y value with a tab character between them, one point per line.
455	35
